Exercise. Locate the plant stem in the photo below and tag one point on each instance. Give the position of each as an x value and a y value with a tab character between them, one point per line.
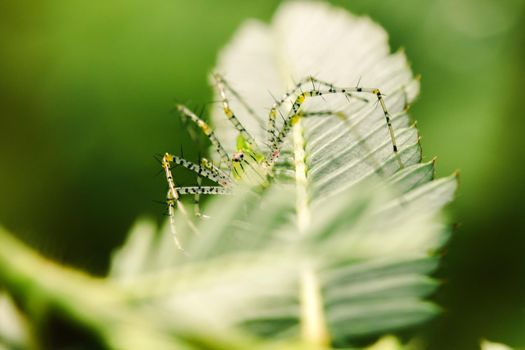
98	306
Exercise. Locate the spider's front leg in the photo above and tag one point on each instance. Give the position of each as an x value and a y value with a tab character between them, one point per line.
210	134
208	171
230	115
173	199
223	85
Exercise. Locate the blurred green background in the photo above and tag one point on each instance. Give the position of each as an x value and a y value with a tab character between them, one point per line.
86	90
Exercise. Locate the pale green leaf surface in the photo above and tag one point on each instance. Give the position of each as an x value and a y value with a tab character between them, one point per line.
373	227
251	276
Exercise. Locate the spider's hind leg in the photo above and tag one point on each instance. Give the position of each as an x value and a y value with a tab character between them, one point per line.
305	84
350	127
324	88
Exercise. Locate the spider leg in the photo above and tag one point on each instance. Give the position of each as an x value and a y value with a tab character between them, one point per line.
203	190
199	190
220	85
173	199
205	128
238	96
197	198
171	214
207	170
306	83
324	88
345	119
208	131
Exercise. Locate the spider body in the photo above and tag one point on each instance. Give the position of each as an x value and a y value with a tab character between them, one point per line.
250	163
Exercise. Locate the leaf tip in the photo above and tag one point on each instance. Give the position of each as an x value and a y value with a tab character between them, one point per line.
456	174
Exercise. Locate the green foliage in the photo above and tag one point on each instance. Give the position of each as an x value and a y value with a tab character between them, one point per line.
487	345
13	326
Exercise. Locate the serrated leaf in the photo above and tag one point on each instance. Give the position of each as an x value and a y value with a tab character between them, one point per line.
347	249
